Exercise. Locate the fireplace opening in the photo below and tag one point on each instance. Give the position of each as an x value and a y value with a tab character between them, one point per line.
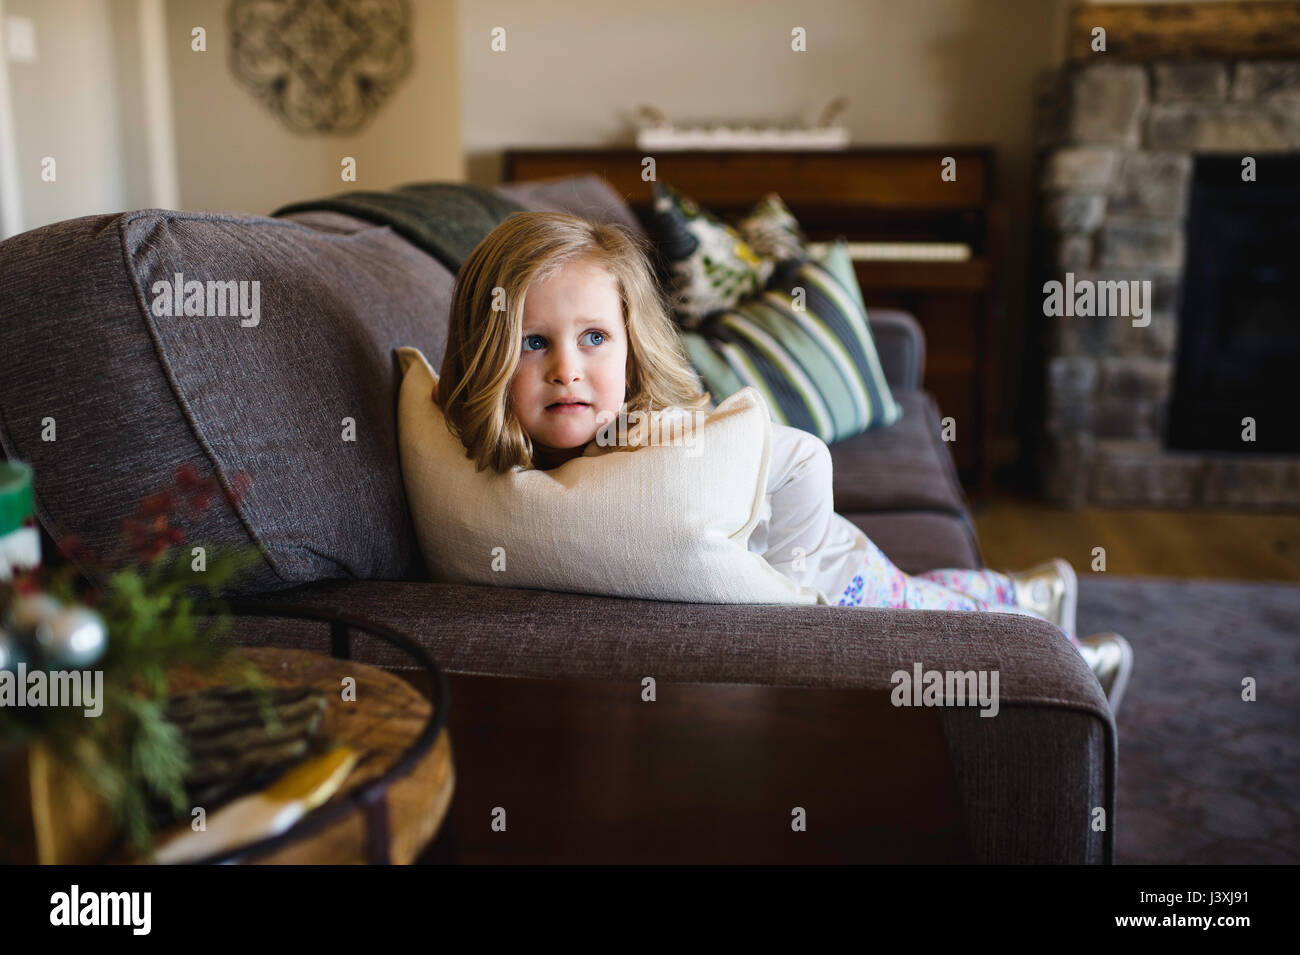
1238	352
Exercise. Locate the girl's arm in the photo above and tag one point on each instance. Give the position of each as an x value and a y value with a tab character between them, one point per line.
804	538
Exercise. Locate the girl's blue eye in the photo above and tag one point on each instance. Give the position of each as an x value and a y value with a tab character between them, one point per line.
528	338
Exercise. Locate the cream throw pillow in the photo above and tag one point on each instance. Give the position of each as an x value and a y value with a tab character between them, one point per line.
663	522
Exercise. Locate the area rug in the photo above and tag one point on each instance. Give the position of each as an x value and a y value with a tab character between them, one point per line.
1204	777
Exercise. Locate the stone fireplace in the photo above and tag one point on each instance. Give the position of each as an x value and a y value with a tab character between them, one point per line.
1143	179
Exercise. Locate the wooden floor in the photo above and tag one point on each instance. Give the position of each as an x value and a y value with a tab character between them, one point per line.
1016	533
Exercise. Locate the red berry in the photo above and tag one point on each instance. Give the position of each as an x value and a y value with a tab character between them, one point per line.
160	503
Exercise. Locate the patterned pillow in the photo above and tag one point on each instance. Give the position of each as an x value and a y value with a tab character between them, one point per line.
711	265
811	354
772	231
837	261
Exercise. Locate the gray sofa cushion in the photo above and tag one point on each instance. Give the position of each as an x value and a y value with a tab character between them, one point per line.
918	541
75	353
903	467
148	393
900	343
579	636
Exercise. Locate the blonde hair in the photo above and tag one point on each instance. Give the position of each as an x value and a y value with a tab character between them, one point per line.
484	344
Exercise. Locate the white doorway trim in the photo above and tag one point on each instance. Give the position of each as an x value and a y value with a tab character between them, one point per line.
11	204
156	96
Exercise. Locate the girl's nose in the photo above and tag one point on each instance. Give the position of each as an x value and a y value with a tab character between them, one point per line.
564	369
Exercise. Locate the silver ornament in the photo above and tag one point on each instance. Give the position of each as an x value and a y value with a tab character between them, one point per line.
11	651
74	637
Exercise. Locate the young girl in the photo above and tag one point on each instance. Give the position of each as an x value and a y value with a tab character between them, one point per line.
557	326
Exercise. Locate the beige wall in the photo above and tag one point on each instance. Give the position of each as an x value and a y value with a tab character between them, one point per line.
926	71
82	102
75	69
233	154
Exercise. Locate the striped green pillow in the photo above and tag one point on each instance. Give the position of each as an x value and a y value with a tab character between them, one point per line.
816	366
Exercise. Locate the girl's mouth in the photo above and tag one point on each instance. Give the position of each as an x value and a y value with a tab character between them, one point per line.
568	406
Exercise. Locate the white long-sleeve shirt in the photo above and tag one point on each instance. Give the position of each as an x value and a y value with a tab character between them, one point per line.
798	531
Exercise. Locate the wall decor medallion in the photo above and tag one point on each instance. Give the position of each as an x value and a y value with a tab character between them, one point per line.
321	66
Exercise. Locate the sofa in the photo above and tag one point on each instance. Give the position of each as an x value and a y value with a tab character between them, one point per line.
764	713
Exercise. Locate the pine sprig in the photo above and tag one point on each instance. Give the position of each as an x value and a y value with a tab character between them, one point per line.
132	754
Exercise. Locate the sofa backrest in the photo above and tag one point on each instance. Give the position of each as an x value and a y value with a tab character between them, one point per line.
588	196
106	391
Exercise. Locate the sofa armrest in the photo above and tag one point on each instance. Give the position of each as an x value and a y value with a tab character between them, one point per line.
900	343
1051	743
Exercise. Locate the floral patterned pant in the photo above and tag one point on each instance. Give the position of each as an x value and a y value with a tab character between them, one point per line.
880	584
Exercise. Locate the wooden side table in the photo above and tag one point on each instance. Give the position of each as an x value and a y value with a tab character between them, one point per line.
385	720
893	194
388	810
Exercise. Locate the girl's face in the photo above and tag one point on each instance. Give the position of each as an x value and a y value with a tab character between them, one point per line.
574	348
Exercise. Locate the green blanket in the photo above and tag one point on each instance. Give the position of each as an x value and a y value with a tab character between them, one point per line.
445	219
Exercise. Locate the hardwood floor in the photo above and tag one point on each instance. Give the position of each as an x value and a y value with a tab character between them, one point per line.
1016	533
